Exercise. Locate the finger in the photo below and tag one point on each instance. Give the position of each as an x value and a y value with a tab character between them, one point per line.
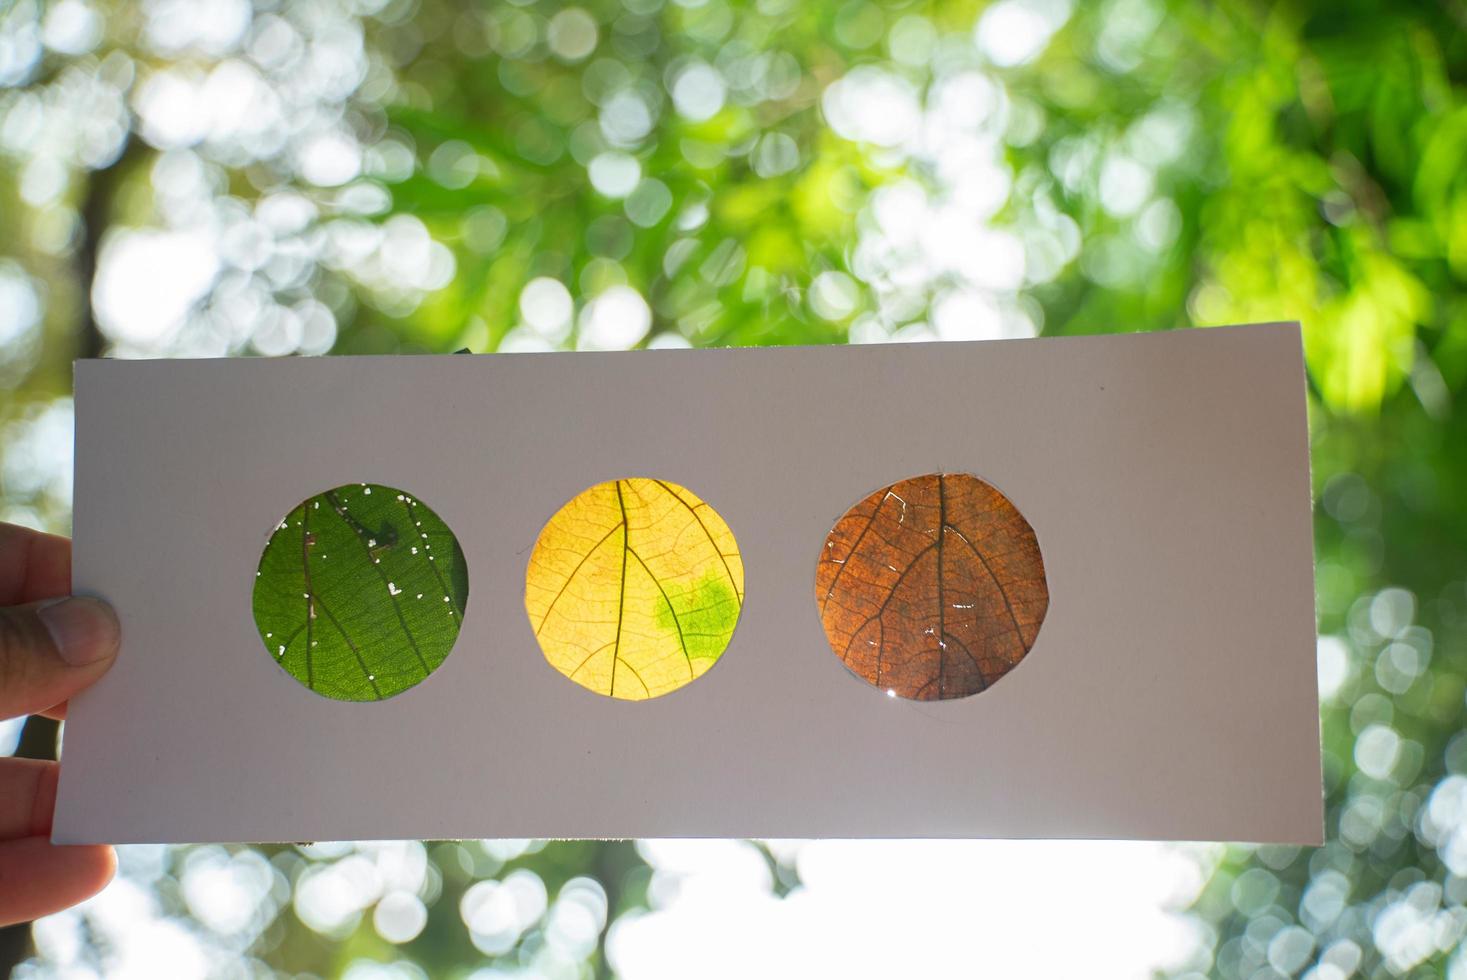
38	877
27	797
33	565
51	650
57	712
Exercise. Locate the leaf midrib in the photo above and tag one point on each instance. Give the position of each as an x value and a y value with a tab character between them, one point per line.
360	533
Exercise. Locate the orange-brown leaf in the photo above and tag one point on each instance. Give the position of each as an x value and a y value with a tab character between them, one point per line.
932	587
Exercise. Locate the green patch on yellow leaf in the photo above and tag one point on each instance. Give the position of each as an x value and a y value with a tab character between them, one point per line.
702	618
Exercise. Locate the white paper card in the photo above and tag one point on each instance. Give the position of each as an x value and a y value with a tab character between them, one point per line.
1171	693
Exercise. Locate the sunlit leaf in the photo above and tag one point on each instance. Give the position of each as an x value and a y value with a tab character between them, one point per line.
932	587
634	588
360	592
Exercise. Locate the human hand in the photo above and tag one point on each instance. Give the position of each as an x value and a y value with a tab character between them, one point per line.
51	647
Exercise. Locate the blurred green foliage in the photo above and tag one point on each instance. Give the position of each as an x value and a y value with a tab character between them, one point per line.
218	178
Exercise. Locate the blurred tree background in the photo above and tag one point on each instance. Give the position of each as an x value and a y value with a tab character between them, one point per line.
215	177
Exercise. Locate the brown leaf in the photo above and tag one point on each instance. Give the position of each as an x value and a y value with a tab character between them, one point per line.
932	587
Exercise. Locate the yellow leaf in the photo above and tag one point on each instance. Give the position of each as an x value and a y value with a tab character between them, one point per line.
634	588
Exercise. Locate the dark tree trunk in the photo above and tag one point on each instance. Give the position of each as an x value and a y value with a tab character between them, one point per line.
96	216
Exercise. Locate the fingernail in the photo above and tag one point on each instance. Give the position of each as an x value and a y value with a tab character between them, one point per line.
83	629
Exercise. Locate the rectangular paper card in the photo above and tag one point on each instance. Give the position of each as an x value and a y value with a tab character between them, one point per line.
1170	692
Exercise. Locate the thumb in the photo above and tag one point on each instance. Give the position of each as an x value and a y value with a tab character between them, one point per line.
50	650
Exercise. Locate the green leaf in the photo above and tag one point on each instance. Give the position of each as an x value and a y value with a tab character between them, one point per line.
360	592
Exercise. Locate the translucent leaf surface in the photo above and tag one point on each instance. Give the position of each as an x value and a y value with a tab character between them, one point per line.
360	592
932	587
634	588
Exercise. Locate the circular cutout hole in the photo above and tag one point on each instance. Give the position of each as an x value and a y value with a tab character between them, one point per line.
634	588
360	592
932	588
